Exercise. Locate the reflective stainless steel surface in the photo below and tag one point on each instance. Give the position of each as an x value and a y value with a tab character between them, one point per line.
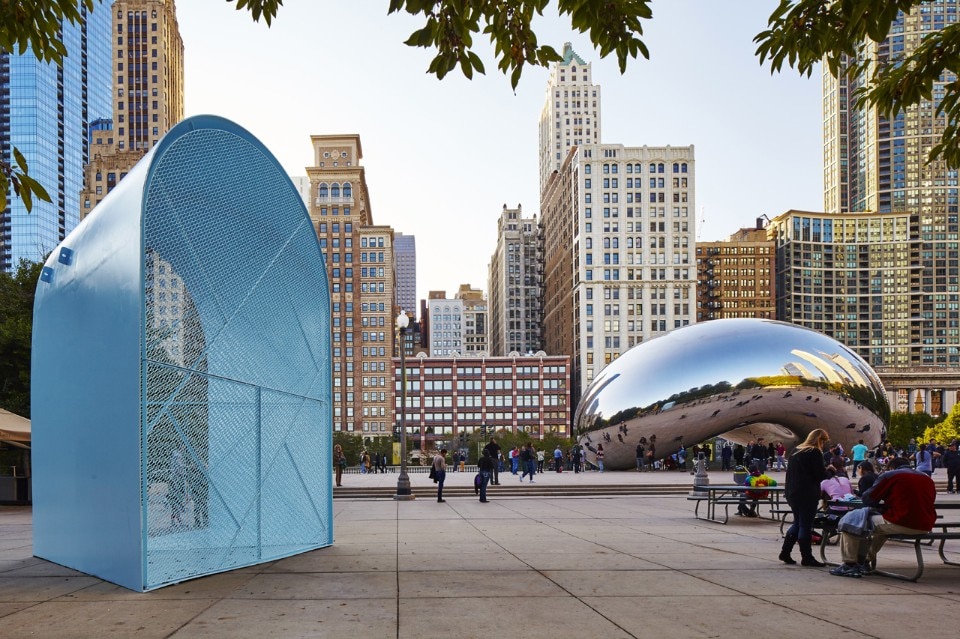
736	378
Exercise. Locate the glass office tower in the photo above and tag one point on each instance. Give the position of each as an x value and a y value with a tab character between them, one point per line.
45	110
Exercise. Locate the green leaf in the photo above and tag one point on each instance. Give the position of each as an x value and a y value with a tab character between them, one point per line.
21	161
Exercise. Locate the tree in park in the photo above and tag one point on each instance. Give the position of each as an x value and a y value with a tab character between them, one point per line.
944	431
800	34
17	292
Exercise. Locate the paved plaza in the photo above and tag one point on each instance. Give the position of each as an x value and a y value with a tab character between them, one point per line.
635	566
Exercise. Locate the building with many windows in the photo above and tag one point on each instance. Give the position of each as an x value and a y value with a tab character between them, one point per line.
447	396
571	112
857	278
877	163
445	321
476	321
46	111
626	217
514	283
405	254
360	268
735	277
147	98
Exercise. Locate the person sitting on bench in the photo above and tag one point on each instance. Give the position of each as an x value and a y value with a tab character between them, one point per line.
905	497
755	479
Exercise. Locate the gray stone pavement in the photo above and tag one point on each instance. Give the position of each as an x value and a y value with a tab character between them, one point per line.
533	567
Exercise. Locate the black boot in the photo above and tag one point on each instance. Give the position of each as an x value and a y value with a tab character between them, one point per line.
788	543
806	555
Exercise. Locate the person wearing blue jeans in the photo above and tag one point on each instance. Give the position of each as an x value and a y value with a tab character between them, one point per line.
514	460
440	465
529	460
485	465
804	473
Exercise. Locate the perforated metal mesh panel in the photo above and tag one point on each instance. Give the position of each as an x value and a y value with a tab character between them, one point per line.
236	378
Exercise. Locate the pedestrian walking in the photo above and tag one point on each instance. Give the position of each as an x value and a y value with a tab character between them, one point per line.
529	459
440	468
485	466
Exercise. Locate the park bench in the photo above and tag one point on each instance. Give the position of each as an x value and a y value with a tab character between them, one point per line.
942	532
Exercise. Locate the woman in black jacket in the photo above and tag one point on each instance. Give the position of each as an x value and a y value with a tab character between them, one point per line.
804	474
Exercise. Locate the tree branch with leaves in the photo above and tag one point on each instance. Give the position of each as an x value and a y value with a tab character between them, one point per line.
804	32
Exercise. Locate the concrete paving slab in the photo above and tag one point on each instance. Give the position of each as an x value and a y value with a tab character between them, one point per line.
72	620
796	580
14	589
213	587
601	560
635	583
865	613
279	619
471	561
469	583
348	585
627	566
717	616
480	617
324	561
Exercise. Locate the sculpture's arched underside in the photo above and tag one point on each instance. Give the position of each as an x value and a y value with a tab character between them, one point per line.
738	378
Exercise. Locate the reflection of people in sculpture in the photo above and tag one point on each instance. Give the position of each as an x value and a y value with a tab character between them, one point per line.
177	488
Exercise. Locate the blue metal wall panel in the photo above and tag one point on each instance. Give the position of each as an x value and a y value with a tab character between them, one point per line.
230	374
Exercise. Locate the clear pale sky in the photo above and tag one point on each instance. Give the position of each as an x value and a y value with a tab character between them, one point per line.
443	157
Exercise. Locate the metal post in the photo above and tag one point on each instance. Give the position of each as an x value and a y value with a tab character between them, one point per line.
404	493
700	478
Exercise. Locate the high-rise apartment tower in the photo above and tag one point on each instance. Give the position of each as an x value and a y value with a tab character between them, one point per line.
877	164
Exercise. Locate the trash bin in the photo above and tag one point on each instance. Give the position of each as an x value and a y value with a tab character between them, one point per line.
740	475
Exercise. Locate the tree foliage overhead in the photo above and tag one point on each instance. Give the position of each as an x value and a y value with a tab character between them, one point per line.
804	32
800	34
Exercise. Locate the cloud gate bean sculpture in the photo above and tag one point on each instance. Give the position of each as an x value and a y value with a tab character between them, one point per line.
737	378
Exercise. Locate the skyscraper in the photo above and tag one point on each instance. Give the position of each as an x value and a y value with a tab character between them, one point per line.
514	285
571	112
618	237
45	111
360	267
877	164
148	97
405	249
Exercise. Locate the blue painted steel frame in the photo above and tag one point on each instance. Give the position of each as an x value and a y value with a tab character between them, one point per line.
181	370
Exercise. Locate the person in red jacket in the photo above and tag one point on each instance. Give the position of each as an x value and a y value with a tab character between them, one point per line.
906	499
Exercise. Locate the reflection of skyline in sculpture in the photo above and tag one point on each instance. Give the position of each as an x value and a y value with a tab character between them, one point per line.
752	378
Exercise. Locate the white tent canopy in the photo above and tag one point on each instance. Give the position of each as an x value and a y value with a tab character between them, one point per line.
14	428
